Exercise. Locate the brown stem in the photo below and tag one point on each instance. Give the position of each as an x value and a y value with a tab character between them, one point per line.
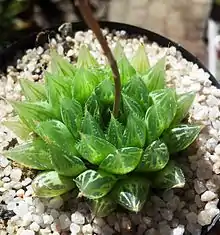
86	12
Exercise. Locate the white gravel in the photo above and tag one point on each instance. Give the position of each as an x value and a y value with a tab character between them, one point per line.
175	212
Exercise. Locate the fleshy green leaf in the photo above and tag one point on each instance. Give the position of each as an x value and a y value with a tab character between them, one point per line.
55	133
155	78
160	115
33	91
50	184
105	92
85	58
115	132
61	66
132	193
131	106
136	89
140	60
90	126
124	66
71	113
94	184
94	149
104	206
184	102
180	137
170	177
17	127
122	161
135	132
35	155
84	84
57	89
166	101
65	164
94	107
155	157
32	113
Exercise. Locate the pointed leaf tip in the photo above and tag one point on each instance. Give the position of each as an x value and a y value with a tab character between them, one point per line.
85	58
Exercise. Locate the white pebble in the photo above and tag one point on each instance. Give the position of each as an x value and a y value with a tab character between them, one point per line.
27	219
26	181
48	219
87	229
3	161
199	186
75	228
179	230
77	218
64	221
205	217
27	232
35	227
55	202
20	193
208	196
7	170
40	208
16	174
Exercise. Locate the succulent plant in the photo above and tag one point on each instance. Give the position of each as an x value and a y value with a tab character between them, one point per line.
72	135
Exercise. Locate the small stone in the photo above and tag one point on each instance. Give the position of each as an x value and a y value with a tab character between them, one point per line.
107	230
16	174
168	195
27	219
205	217
35	227
216	167
3	161
199	186
217	149
99	221
208	196
55	202
20	193
78	218
178	230
26	181
27	232
74	228
148	221
64	221
40	208
166	214
48	219
164	229
54	213
87	229
22	209
192	217
212	204
125	223
151	231
70	53
7	170
212	101
38	219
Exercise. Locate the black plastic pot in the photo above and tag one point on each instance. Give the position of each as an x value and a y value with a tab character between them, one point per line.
9	54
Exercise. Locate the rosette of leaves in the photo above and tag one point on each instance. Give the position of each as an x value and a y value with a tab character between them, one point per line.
73	138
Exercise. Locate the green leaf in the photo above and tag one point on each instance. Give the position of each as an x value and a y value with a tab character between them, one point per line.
94	107
51	184
104	206
84	84
18	128
94	185
122	161
170	177
94	149
118	51
32	113
131	106
115	132
132	193
160	115
135	132
71	113
33	91
140	60
180	137
166	102
34	154
136	89
90	126
105	92
184	102
55	133
124	66
85	58
61	66
155	157
57	89
65	164
155	78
